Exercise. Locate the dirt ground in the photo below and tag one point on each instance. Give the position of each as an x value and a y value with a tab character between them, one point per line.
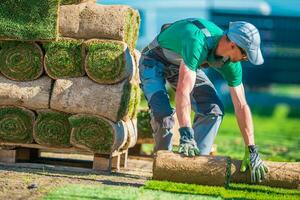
33	181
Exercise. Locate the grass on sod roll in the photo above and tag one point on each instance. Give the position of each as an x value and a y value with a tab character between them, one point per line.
234	191
28	19
21	61
71	192
16	124
67	2
64	59
130	100
92	132
52	128
105	61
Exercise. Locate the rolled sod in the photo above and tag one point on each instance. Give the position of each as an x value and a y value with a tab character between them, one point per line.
214	170
281	174
108	61
132	134
30	94
52	128
84	96
21	61
16	124
204	170
88	21
64	59
97	134
28	19
68	2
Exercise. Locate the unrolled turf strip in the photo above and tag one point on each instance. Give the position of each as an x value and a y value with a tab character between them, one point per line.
16	124
21	61
52	128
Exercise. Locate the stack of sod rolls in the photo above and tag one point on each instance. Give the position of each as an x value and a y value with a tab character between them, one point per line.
68	74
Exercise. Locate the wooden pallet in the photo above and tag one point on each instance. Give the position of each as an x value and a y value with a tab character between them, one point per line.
14	153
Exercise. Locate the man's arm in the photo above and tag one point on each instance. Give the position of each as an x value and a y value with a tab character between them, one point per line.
186	82
243	113
251	157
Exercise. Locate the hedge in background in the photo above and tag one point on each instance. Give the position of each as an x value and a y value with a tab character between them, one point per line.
28	19
52	128
92	133
143	124
21	61
16	124
64	59
108	61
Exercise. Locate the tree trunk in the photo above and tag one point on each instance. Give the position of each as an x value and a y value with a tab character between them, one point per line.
33	95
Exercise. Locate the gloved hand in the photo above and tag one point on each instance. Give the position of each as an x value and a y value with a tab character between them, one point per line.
188	145
252	161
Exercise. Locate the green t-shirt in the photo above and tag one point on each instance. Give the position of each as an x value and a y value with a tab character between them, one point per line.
188	41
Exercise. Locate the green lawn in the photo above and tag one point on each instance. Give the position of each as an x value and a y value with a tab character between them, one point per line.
171	191
85	192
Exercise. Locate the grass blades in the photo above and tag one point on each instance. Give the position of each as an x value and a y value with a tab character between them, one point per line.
143	125
105	61
64	59
52	128
73	192
16	124
21	61
28	19
92	133
234	191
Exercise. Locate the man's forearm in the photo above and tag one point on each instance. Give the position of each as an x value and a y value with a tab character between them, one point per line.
183	108
245	123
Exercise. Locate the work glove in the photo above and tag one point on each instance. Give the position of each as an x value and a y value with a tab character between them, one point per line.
188	146
252	161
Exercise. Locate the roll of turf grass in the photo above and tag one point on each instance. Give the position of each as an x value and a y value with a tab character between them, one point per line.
16	124
108	61
21	61
52	128
97	134
64	59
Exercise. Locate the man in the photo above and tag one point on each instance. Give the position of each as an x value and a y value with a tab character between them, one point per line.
177	55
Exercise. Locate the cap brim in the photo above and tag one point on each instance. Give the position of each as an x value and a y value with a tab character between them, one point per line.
255	56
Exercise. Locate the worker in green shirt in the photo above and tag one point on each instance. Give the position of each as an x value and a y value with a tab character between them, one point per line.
177	56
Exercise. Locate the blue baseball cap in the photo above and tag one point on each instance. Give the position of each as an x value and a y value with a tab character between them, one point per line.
246	36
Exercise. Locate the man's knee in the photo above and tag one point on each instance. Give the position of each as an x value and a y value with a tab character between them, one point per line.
160	105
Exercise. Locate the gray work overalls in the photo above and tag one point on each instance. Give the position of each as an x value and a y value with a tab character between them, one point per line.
158	65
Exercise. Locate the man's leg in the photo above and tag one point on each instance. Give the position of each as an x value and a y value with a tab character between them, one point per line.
153	86
208	110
